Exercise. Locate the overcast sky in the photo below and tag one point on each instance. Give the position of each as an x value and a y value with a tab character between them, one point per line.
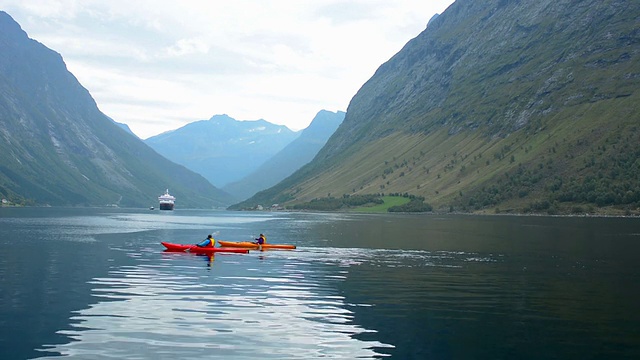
157	65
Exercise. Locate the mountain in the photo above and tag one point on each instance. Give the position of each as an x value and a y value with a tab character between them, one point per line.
123	126
57	148
291	158
432	19
498	106
223	149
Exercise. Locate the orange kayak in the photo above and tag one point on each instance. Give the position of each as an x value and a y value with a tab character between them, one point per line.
252	245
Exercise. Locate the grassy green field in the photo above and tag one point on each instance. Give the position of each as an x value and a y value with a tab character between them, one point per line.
389	201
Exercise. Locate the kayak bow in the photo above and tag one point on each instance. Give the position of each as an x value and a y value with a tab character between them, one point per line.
252	245
202	250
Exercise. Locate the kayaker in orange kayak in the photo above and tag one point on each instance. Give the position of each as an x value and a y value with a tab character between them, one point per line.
208	242
261	240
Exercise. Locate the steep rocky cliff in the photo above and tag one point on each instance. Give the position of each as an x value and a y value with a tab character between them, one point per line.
498	105
57	148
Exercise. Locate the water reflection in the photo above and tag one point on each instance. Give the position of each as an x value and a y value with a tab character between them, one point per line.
98	284
274	305
242	307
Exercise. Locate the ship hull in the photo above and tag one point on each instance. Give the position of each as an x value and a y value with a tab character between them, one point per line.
166	206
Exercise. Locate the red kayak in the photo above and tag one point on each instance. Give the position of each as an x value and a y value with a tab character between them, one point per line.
201	250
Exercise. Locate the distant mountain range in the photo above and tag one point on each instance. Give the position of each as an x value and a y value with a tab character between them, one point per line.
498	106
223	149
57	148
296	154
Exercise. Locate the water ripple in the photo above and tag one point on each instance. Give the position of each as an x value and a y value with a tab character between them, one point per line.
393	258
171	310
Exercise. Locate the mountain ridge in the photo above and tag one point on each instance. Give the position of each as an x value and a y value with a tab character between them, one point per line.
59	149
494	98
223	149
296	154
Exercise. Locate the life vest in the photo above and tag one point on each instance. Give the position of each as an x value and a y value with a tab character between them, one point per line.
263	238
209	242
212	242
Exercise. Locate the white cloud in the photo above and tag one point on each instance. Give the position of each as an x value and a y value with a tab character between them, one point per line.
187	47
157	65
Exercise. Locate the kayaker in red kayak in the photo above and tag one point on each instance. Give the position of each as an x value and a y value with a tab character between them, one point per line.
261	240
208	242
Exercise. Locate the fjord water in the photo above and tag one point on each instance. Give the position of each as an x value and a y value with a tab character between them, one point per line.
95	284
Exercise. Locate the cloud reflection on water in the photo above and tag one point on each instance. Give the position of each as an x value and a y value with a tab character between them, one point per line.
166	311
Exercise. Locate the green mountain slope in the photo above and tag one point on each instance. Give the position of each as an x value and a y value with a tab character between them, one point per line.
496	106
57	148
